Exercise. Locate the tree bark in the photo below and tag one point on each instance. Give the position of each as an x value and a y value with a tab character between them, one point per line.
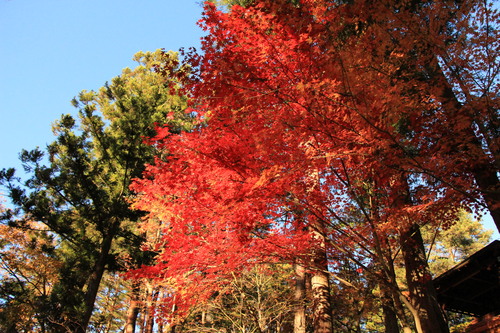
322	312
428	317
96	277
299	321
151	299
320	288
133	310
391	297
390	317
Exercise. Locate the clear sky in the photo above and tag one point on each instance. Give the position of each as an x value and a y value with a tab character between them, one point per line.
50	50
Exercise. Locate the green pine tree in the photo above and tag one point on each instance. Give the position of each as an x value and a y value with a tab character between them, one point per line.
79	187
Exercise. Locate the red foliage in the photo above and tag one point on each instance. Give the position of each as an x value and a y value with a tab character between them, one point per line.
337	117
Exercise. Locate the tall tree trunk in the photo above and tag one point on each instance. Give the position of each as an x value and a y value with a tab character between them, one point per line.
391	298
320	288
133	309
397	300
142	321
151	299
388	309
392	307
96	277
299	320
428	317
322	312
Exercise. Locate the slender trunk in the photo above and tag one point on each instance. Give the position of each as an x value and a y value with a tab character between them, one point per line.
150	320
203	317
95	279
320	288
392	294
151	299
429	317
142	318
388	309
133	309
399	309
299	322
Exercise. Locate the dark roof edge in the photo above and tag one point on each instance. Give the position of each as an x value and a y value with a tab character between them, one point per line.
492	247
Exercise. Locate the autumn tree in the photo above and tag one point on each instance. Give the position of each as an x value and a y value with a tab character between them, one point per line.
78	188
354	115
28	272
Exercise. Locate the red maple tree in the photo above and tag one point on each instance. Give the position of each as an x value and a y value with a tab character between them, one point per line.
326	126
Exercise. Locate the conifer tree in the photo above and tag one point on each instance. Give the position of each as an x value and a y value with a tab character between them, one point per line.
79	186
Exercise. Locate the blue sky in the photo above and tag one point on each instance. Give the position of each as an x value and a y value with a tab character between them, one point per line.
50	50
